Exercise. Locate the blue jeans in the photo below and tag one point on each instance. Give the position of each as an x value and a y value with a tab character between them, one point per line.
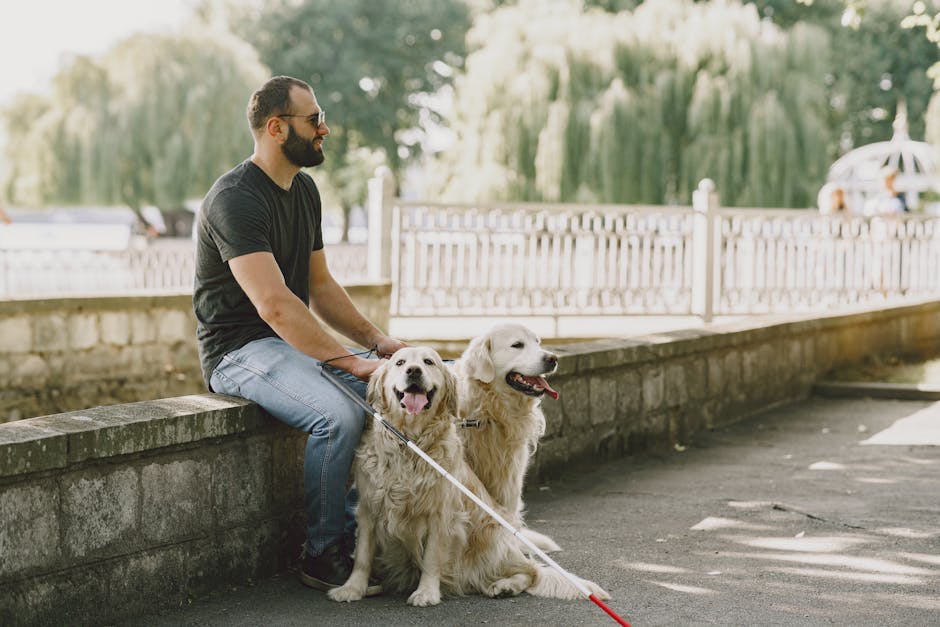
290	386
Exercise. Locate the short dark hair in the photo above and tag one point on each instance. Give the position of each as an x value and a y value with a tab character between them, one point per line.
272	98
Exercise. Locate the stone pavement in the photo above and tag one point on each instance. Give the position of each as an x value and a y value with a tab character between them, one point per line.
788	518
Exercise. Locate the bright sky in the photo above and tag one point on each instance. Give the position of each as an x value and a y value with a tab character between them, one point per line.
36	36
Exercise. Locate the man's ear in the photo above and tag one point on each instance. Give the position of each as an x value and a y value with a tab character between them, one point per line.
276	128
477	358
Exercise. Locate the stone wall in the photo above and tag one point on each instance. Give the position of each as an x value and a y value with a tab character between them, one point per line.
118	510
653	392
59	355
112	511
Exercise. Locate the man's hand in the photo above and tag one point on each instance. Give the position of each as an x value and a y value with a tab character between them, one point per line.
363	368
386	346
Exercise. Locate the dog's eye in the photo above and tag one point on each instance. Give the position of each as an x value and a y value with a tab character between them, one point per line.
518	345
429	362
400	362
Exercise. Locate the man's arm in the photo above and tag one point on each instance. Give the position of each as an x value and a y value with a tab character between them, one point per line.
331	302
261	279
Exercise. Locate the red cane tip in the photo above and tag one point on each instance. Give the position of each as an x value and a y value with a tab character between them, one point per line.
612	613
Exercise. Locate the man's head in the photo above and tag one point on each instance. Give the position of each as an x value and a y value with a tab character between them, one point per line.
285	110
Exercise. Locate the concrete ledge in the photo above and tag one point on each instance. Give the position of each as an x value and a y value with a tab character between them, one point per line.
900	391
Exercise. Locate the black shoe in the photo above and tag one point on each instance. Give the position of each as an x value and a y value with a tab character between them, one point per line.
331	569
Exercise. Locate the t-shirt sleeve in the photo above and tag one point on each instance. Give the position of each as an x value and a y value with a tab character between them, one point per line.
239	224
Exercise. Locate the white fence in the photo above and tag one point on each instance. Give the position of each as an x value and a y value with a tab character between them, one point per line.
164	266
526	259
521	259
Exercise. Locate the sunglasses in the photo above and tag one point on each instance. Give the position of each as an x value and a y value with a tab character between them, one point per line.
315	119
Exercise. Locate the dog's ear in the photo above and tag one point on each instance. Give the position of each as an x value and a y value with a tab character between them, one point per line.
375	392
478	361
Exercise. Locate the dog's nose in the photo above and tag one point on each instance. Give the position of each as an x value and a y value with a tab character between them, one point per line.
413	372
551	360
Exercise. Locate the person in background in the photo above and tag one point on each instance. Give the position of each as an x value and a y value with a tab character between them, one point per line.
261	273
837	202
4	218
889	201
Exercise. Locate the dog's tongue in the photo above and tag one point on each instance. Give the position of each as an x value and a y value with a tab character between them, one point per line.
414	402
540	382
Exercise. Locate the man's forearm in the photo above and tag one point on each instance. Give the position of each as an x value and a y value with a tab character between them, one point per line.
331	302
295	324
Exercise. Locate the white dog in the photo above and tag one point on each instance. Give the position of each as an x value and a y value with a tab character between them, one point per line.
500	381
415	524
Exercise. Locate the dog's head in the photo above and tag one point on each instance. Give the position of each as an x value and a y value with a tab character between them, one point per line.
413	384
511	353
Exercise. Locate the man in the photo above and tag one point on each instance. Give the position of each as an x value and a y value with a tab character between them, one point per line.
260	270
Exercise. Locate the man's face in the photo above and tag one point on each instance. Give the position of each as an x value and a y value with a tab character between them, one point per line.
303	153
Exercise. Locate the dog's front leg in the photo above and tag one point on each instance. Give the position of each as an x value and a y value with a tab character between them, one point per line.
355	587
429	587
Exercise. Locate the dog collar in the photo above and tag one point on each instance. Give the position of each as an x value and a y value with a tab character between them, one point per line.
470	424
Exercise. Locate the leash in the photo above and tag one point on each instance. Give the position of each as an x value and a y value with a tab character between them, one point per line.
473	497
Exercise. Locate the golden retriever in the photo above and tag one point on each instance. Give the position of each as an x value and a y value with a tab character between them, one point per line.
500	382
417	527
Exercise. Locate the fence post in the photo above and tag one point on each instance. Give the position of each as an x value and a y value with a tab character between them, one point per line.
705	205
381	195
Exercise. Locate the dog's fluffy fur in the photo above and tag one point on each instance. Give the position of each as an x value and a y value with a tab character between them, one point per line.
417	526
500	382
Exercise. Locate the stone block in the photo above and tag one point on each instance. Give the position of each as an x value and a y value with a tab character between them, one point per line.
29	372
27	446
602	399
287	449
676	388
29	528
115	327
74	596
176	500
100	512
653	388
50	333
143	328
82	331
554	417
241	481
175	326
696	378
629	395
134	427
165	575
572	396
16	334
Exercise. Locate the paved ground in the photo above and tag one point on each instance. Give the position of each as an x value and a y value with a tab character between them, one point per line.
785	519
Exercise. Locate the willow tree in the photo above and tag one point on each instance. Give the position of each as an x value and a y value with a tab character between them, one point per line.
559	102
153	121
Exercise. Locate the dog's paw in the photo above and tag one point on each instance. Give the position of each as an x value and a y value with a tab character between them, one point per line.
509	587
424	598
596	590
540	540
345	593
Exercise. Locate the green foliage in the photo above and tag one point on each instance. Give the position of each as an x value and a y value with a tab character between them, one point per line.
560	103
873	67
153	121
368	62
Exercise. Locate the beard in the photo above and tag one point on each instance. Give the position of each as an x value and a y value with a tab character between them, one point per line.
301	152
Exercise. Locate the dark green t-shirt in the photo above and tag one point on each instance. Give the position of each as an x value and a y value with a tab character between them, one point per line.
246	212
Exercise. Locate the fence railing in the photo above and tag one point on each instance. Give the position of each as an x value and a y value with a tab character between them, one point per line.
538	259
166	266
529	259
